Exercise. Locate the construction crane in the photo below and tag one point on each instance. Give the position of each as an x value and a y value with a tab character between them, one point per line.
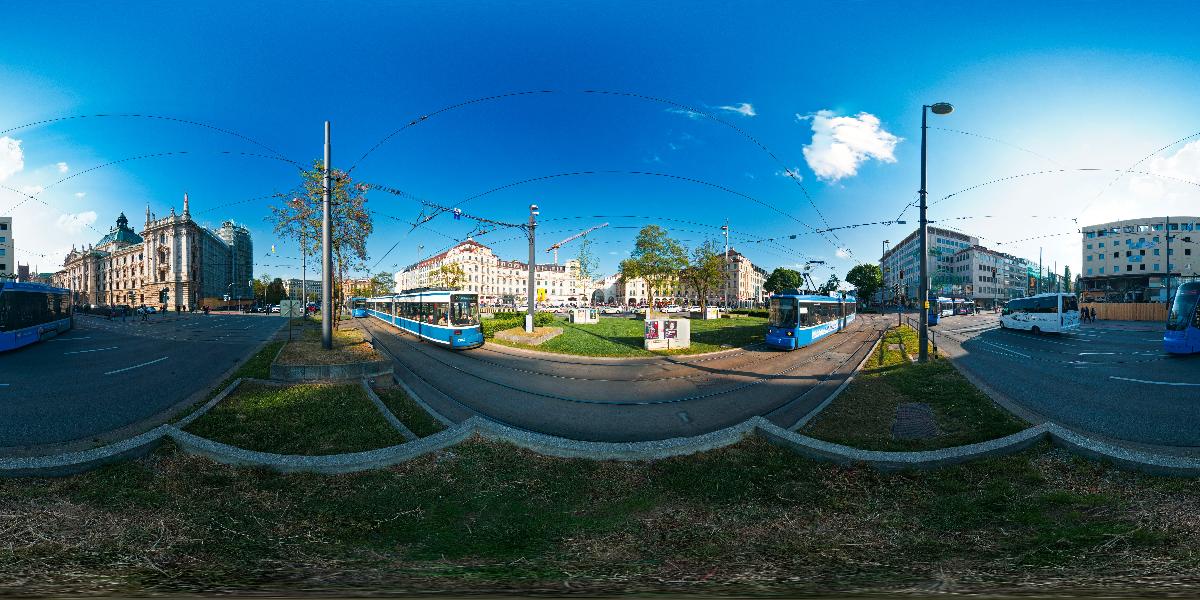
555	247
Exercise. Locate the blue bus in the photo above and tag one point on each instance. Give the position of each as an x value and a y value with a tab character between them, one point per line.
1183	321
796	320
358	307
446	317
30	312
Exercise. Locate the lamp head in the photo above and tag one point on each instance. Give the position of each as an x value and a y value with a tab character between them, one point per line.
941	108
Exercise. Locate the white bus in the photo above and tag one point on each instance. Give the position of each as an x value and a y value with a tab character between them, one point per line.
1044	312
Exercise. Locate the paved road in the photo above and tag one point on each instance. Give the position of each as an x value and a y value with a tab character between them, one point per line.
625	399
105	375
1110	378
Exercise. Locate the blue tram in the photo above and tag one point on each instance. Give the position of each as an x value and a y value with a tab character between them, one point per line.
30	312
446	317
796	320
358	307
1183	321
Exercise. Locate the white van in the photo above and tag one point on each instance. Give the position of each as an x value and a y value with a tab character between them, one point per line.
1044	312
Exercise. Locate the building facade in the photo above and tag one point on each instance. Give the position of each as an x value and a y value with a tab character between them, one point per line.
8	259
742	286
1131	260
902	271
499	281
299	289
990	278
173	263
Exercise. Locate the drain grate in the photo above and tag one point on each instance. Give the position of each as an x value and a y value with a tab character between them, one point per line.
914	421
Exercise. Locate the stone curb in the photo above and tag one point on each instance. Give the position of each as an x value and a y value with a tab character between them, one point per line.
387	414
67	464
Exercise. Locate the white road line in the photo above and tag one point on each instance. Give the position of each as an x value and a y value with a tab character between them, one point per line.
3	385
62	339
136	366
1155	382
1005	348
92	350
1086	353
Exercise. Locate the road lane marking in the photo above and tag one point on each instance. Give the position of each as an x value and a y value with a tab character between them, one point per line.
69	339
1005	348
136	366
1178	383
1086	353
92	350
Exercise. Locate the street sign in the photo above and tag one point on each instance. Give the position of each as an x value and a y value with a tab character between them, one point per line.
291	308
926	305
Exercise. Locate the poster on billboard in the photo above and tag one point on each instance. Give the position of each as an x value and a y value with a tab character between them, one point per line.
652	330
670	329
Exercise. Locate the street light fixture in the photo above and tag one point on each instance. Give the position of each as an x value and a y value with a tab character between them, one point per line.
938	108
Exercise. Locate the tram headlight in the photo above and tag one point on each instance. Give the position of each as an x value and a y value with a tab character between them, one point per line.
789	333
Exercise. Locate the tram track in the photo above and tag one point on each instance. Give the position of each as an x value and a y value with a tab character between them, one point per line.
415	347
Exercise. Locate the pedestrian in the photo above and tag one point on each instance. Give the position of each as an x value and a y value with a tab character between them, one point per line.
124	311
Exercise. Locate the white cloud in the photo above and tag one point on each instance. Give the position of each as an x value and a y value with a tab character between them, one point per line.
12	158
843	253
75	223
62	167
840	144
33	190
691	114
793	172
80	194
745	109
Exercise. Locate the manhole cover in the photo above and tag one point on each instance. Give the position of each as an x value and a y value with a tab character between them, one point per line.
914	421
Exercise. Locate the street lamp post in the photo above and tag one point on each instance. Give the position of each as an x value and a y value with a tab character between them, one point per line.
938	108
883	265
530	301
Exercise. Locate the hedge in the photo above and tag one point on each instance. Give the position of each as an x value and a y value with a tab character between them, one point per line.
510	320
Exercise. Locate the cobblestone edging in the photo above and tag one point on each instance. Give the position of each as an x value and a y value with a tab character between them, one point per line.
344	372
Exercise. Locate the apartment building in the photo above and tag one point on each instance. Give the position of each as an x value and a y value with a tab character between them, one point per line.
1130	260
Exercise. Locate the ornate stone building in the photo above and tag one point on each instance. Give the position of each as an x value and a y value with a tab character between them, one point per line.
173	263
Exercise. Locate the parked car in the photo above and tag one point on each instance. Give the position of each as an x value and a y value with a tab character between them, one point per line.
672	308
275	308
610	310
149	310
693	309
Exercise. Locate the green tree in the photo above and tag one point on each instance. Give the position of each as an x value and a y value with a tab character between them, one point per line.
831	285
260	287
448	275
1066	278
274	292
299	217
705	273
867	278
656	258
783	278
383	283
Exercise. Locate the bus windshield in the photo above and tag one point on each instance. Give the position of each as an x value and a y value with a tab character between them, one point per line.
1183	307
782	313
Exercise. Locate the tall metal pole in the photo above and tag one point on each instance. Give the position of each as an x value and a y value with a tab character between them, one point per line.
1039	282
883	265
326	257
1168	233
532	292
923	334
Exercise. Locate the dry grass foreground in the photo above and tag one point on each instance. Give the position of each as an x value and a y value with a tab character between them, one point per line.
487	517
349	346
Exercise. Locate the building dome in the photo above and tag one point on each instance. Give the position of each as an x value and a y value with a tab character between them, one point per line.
121	234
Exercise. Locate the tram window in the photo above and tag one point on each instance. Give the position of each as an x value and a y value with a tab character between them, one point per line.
464	310
441	313
783	312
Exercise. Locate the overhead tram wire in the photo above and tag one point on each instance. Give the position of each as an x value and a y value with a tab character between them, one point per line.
1127	171
791	175
145	156
1000	141
157	117
1057	171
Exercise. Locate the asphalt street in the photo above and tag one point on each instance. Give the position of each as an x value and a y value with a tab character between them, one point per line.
632	399
107	375
1110	378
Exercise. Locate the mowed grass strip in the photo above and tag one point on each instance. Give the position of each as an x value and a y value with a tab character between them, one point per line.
308	419
862	415
415	418
626	337
489	517
349	346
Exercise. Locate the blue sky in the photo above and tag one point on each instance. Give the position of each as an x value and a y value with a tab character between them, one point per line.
833	90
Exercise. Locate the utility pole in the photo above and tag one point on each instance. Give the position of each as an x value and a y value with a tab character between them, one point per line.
883	264
1039	282
326	257
1168	234
725	275
532	293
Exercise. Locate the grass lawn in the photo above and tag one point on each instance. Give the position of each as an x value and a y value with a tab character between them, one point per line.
625	337
409	412
308	419
349	346
862	415
487	517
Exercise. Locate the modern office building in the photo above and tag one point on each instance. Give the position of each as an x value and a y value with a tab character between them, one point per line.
1130	260
902	271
